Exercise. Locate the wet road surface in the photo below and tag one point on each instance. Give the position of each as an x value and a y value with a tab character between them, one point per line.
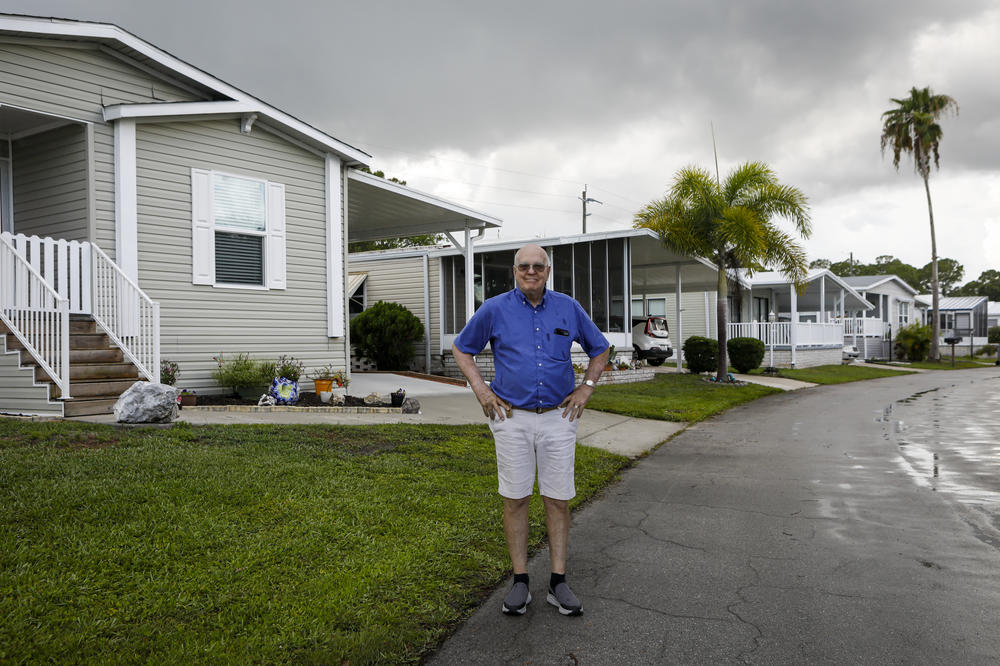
857	523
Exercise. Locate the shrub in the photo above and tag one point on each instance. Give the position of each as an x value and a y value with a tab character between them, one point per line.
987	350
745	354
169	372
290	368
385	333
243	371
701	354
993	335
913	342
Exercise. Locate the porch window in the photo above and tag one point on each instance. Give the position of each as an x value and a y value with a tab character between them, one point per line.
238	231
656	307
637	309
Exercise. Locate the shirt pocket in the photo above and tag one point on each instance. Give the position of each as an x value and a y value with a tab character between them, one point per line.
560	346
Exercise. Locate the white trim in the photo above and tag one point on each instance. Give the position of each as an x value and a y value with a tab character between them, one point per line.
126	200
336	303
107	31
424	197
159	110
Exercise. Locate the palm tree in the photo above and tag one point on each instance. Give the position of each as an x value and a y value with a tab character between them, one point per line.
911	127
729	223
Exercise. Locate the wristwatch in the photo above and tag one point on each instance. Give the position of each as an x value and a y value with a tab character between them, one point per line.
589	382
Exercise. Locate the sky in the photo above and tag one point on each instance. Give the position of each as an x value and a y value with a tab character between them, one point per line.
511	107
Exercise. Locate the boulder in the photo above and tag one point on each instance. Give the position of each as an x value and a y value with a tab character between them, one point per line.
373	399
411	406
337	400
145	402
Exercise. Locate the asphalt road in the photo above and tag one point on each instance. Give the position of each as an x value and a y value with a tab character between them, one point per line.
784	531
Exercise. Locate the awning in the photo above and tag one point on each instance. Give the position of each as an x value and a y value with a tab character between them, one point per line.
354	282
378	208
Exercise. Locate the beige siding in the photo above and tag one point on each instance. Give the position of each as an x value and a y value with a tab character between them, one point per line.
18	392
50	184
77	81
199	321
693	317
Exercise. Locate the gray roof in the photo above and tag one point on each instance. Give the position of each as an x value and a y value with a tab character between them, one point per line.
954	302
870	281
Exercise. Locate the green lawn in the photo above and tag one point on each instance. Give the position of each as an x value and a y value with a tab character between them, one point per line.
672	397
240	544
835	374
945	364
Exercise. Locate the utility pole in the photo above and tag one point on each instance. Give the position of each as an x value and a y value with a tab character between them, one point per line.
585	199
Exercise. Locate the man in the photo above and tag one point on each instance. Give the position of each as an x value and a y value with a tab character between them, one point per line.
534	410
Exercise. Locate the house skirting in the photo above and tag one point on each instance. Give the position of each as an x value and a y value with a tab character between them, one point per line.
804	358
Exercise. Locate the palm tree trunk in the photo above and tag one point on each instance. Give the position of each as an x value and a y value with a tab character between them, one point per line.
722	370
935	352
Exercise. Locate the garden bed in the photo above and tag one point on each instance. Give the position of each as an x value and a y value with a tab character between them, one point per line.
308	401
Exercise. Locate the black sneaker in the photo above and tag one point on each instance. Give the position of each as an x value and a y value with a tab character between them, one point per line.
563	598
517	600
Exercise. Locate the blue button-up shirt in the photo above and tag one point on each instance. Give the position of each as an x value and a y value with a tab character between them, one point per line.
531	345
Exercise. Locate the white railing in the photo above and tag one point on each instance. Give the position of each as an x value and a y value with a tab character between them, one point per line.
779	334
867	327
63	264
92	284
35	314
129	317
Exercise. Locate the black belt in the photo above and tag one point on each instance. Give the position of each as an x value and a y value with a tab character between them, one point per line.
536	410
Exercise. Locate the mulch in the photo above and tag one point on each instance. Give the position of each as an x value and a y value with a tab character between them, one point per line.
309	399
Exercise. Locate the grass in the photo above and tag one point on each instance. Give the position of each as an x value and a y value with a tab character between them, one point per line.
673	397
240	543
945	364
835	374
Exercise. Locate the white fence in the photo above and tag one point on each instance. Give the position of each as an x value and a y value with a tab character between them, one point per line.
36	315
780	334
81	274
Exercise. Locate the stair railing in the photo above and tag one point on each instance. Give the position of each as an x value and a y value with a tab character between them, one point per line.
35	314
128	316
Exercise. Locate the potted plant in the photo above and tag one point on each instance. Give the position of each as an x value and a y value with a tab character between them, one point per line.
325	378
398	396
247	377
188	398
611	358
285	385
169	372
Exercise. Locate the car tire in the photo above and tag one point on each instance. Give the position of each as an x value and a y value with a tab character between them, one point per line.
655	361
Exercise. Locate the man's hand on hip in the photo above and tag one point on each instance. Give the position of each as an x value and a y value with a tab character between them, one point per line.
493	406
575	402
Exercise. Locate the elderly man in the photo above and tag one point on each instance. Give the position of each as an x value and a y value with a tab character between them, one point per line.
534	410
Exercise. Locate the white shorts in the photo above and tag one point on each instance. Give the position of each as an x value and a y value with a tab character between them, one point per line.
527	440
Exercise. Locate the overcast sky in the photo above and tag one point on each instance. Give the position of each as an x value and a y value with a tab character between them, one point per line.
511	107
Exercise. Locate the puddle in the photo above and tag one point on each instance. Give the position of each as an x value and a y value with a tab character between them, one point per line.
949	439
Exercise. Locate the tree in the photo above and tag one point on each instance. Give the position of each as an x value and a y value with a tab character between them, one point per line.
987	284
912	127
729	223
950	273
819	263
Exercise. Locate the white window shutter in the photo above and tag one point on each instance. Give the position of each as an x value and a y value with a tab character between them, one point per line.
202	233
275	236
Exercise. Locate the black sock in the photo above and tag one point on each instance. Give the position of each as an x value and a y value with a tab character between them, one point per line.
521	578
555	579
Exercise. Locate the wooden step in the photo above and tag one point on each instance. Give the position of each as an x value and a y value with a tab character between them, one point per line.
102	371
98	388
76	356
87	325
89	407
76	341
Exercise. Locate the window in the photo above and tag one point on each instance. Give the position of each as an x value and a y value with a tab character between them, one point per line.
238	231
637	310
616	285
656	307
903	309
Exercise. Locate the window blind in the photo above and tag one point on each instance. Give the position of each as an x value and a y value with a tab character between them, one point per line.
239	259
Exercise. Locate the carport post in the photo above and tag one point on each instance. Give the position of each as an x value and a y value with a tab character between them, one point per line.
822	299
470	278
677	299
794	331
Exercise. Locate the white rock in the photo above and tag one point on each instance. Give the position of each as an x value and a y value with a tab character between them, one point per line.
144	402
373	399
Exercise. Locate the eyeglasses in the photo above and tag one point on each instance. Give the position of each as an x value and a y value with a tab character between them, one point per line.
537	267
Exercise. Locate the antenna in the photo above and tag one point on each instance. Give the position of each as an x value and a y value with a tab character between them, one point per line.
715	151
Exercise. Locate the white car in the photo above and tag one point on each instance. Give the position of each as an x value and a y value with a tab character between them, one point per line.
651	340
850	352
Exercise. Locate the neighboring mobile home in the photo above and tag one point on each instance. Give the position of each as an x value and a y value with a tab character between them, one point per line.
896	306
615	275
963	317
150	210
